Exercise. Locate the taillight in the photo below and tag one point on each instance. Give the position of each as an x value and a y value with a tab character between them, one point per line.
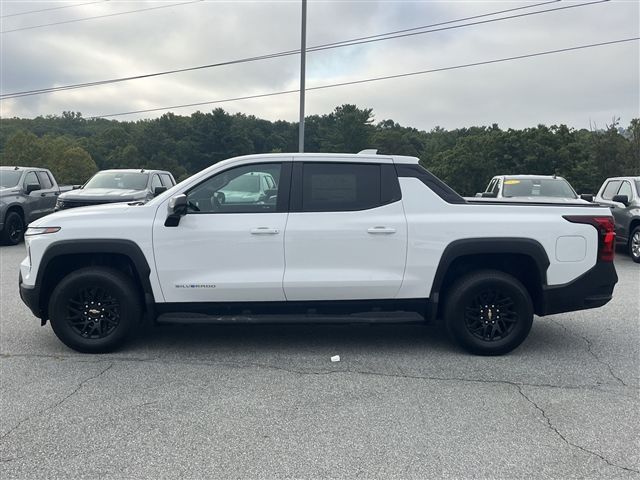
606	234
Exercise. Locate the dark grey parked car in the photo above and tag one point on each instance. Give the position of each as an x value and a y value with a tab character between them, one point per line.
113	186
622	194
26	194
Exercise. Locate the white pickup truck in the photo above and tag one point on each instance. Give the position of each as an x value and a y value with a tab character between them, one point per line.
337	238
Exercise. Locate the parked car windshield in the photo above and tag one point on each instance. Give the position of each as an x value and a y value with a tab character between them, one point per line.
119	180
638	187
537	187
9	178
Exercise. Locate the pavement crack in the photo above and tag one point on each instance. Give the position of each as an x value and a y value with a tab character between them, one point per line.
597	358
56	404
553	428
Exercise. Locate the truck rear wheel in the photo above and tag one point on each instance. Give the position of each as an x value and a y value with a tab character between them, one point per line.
488	312
94	309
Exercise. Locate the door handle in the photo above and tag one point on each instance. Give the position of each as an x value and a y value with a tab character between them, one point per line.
264	231
43	194
386	230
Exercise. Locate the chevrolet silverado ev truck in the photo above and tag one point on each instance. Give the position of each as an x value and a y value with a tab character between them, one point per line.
337	238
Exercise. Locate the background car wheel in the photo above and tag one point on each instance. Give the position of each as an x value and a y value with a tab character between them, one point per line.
93	310
488	312
13	230
634	245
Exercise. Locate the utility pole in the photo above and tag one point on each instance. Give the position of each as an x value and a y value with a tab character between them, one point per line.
303	58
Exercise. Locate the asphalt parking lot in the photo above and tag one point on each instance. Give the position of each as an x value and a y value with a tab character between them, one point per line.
266	402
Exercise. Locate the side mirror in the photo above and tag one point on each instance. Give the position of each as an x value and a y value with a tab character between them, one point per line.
478	195
488	194
623	199
158	190
177	208
587	196
32	187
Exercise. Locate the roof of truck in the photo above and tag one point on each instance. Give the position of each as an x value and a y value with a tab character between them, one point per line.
364	156
133	170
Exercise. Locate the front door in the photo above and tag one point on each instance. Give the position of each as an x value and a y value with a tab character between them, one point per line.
346	235
229	247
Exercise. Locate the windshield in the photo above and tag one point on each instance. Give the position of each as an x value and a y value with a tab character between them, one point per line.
244	183
537	187
9	178
638	187
119	180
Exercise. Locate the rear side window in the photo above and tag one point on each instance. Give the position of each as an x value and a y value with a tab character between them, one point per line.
45	181
611	189
340	187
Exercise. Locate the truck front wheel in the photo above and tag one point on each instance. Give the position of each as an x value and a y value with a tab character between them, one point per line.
13	230
488	312
94	309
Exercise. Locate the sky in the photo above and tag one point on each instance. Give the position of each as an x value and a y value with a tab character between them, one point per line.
581	88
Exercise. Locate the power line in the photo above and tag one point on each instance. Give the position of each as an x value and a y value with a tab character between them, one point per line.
327	46
100	16
51	8
376	79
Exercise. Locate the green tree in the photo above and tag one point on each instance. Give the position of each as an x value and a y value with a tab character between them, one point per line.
75	166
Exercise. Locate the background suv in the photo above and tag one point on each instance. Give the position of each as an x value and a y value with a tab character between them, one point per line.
622	195
112	186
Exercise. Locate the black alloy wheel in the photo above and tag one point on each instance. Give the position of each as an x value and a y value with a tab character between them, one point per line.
95	309
491	315
488	312
93	313
13	229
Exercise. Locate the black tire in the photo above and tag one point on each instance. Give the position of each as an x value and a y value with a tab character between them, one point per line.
634	244
104	325
13	230
488	330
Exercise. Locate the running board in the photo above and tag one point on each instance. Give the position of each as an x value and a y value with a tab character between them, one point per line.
369	317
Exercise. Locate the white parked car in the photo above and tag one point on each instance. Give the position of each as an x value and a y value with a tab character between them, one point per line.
531	188
338	238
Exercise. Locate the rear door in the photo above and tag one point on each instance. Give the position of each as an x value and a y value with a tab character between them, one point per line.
346	236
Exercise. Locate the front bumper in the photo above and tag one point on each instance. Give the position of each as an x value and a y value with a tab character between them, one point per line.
590	290
30	295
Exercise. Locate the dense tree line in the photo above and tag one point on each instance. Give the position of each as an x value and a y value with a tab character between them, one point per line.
74	147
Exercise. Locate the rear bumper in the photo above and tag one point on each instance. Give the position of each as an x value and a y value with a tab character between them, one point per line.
30	295
590	290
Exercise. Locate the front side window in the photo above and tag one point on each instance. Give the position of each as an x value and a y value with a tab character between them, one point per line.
625	189
155	182
166	179
119	180
335	187
45	181
238	190
31	178
611	189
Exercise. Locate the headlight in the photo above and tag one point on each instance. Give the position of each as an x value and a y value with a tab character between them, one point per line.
40	230
59	203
